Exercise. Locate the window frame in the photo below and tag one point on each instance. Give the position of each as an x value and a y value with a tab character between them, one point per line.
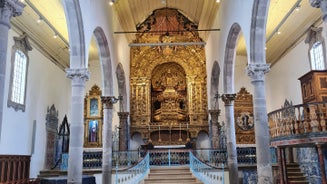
314	36
22	45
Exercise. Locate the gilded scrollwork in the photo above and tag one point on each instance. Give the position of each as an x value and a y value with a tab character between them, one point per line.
168	83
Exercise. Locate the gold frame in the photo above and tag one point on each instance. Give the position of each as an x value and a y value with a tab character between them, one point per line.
94	93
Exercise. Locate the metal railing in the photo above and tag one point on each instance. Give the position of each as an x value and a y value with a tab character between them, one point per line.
206	173
169	157
298	120
133	174
124	159
216	157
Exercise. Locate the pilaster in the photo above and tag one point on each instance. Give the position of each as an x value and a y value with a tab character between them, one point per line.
108	102
214	128
228	99
8	9
123	132
257	73
75	160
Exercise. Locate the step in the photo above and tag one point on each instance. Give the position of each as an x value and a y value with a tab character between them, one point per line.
298	182
294	173
170	180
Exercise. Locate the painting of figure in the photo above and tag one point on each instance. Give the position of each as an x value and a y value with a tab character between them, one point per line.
93	131
94	107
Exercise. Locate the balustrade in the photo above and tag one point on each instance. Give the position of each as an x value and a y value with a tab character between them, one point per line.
298	120
206	173
15	169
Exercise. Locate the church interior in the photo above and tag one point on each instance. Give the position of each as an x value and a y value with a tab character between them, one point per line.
116	91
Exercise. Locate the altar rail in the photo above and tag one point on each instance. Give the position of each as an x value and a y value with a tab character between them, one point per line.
14	169
299	120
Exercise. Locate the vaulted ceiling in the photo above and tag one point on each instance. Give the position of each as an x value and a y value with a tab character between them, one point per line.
292	18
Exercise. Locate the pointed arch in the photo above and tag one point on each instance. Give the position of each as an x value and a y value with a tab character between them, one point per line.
105	61
76	33
258	31
229	59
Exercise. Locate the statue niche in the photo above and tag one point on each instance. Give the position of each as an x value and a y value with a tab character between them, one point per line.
168	92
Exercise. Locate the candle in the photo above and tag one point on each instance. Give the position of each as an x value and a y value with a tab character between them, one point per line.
159	127
186	125
149	127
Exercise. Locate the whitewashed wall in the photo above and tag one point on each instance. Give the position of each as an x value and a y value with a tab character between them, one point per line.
46	85
282	80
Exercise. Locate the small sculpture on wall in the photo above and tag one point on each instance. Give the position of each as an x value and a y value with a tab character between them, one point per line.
245	121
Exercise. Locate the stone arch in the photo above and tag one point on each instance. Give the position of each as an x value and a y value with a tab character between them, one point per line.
258	31
230	58
215	74
120	74
76	33
105	60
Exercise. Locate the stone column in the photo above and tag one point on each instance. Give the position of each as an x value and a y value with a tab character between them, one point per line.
8	9
280	165
108	102
75	160
123	132
321	163
214	128
262	137
231	138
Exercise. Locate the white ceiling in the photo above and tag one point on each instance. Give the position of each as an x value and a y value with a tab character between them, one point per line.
133	12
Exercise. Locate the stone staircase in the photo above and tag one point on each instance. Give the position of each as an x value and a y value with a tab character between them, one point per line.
171	175
295	175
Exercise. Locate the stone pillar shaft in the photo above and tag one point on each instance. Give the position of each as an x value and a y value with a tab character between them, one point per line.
8	9
262	137
280	165
75	160
321	163
108	102
214	128
123	132
231	138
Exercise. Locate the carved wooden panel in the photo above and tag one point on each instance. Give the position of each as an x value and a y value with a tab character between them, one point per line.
168	83
314	86
243	114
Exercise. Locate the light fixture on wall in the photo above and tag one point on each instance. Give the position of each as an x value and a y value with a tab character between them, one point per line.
111	2
217	1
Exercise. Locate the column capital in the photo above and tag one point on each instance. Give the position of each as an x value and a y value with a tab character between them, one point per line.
123	115
108	101
8	9
228	98
214	111
257	71
322	4
315	3
78	75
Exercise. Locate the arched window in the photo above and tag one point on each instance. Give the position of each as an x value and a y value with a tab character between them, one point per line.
316	49
18	76
317	56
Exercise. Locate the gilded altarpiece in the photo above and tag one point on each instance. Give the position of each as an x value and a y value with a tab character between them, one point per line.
93	115
168	81
243	115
